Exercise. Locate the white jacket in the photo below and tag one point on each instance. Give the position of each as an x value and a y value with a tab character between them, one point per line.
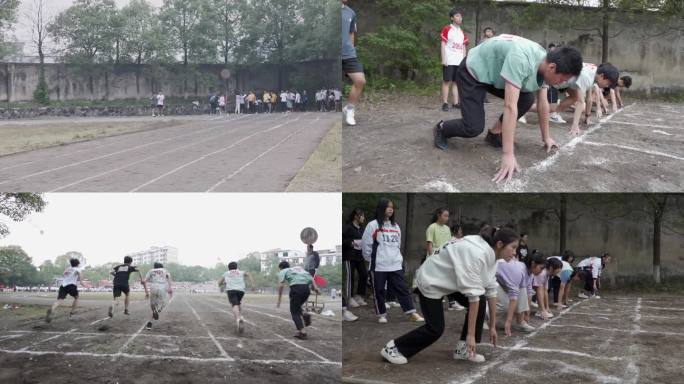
467	266
388	255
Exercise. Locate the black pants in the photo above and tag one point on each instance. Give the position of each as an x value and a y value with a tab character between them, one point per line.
588	280
552	95
351	269
396	285
472	94
299	293
554	285
424	336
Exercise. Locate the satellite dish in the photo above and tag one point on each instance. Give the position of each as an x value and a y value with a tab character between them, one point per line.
308	235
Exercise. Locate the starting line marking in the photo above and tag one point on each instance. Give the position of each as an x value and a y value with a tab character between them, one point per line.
562	351
635	331
645	125
107	334
160	357
646	151
218	345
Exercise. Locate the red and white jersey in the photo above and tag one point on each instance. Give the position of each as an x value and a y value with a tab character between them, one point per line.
455	41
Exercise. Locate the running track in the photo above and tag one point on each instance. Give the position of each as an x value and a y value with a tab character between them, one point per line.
245	153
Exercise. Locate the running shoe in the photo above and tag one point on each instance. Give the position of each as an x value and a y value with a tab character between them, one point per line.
240	325
348	316
390	353
149	325
440	138
155	313
445	107
382	319
461	354
456	106
582	296
126	312
415	317
556	118
352	303
454	306
393	304
523	120
523	327
360	301
307	319
494	139
300	335
349	116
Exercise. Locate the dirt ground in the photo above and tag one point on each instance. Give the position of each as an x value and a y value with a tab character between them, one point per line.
640	148
615	339
194	341
246	153
322	172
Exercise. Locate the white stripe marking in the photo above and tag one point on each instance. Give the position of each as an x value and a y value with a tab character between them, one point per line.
303	348
645	125
97	321
218	345
646	151
562	351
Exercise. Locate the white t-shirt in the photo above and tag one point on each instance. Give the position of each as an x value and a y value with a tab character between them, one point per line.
283	97
222	101
157	277
235	280
298	98
455	41
160	99
594	263
70	276
585	80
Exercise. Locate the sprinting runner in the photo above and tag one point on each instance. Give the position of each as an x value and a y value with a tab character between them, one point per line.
467	267
351	65
381	247
298	279
160	290
69	286
234	281
121	274
453	51
512	68
590	269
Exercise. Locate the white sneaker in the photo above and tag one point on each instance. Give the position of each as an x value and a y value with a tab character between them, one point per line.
415	317
390	353
382	319
360	300
538	314
535	305
393	304
556	118
582	296
461	354
348	316
523	120
349	116
524	327
595	296
352	303
485	326
549	315
454	306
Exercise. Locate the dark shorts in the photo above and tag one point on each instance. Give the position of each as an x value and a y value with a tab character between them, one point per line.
235	297
70	290
121	288
449	72
352	65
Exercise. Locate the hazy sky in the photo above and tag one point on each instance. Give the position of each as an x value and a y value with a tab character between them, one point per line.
204	227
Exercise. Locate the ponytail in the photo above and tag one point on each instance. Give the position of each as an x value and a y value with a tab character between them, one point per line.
536	258
493	235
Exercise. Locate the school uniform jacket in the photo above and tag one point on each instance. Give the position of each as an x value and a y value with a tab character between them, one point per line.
382	247
349	234
467	266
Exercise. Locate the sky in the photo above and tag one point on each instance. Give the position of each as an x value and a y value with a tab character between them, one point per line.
204	227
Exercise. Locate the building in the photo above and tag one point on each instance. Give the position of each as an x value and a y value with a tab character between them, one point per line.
296	257
164	254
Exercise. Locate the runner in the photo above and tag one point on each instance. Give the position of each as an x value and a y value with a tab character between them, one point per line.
351	65
121	274
160	290
512	68
453	51
234	281
69	286
160	103
298	279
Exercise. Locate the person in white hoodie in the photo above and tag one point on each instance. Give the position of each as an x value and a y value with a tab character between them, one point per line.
468	267
381	247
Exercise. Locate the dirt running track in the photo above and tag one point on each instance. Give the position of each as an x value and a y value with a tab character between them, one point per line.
638	149
194	342
627	339
245	153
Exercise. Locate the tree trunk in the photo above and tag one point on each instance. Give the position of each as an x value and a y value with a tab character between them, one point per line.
563	224
604	31
657	224
478	25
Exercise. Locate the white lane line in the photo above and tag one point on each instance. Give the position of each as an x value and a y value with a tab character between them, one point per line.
208	155
48	339
133	336
632	371
562	351
303	348
236	172
108	334
622	314
218	345
97	321
164	357
105	156
639	331
519	184
645	125
149	158
478	374
664	308
641	150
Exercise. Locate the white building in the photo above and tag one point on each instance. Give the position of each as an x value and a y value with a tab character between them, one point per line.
296	257
163	255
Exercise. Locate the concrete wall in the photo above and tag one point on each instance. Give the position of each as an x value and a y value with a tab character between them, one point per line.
18	81
594	225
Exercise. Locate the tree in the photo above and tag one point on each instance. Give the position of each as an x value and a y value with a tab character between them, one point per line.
63	261
226	17
17	206
8	14
20	267
143	39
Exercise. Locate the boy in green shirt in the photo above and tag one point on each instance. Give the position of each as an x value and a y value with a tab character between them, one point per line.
512	68
298	279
